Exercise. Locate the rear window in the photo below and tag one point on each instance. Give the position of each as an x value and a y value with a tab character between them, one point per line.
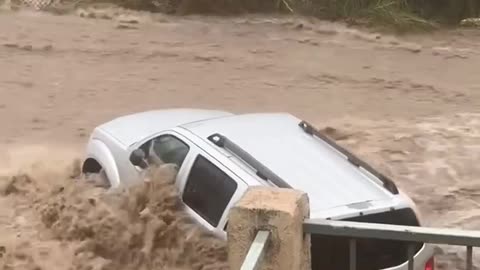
332	252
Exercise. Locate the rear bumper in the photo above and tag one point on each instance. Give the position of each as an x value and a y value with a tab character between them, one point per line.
420	259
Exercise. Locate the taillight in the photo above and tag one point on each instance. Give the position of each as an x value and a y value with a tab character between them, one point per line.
430	265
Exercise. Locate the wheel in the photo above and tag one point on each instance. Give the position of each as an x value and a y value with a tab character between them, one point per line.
99	179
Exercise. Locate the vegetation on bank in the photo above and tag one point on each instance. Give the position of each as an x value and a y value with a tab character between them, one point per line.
401	14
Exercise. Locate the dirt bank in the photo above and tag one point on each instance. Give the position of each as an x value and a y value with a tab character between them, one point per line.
409	104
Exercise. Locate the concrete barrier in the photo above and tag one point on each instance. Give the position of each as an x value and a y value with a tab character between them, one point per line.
280	211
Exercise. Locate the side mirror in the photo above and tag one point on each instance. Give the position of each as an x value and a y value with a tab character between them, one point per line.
137	158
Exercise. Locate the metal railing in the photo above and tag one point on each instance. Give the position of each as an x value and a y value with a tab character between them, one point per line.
411	234
257	250
355	230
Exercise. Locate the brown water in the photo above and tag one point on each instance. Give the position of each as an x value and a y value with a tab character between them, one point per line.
408	104
77	225
434	161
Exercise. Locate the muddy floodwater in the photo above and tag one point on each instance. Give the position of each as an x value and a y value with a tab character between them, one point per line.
408	104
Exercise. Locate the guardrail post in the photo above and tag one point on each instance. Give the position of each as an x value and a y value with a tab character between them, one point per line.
279	211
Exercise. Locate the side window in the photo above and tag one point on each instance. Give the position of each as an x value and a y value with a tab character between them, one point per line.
168	149
208	190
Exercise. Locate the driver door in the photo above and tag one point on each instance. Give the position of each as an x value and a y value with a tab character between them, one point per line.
167	147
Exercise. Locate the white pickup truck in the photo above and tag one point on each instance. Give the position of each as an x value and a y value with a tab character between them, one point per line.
219	155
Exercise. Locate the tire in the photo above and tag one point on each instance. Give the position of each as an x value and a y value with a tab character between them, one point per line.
99	179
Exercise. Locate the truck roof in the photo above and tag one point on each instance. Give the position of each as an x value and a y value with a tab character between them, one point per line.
131	128
303	161
274	139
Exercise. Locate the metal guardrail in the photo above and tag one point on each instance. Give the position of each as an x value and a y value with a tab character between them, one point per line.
257	250
356	230
411	234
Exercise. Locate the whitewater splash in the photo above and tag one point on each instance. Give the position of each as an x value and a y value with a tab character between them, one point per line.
56	221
